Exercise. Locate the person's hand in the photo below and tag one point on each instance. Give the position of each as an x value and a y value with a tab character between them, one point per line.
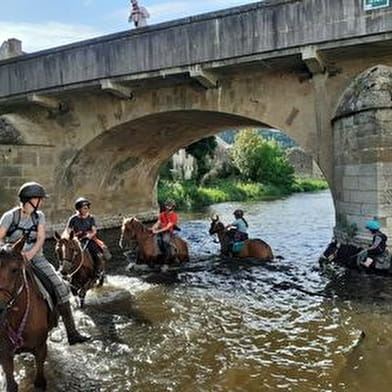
28	255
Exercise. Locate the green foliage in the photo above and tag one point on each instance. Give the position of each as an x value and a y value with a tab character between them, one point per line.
259	160
189	195
165	171
266	133
308	185
200	150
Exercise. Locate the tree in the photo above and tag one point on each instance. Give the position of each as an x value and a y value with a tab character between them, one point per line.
260	160
200	150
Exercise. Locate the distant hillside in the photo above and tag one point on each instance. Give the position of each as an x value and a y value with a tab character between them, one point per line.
285	141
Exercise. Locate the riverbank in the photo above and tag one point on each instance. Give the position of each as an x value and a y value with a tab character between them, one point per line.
188	195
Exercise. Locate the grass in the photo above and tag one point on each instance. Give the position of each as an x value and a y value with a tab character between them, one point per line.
188	195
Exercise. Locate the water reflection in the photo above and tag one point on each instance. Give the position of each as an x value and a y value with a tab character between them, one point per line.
226	326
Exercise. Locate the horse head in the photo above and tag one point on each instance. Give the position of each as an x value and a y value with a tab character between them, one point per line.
129	230
331	253
68	252
11	266
216	225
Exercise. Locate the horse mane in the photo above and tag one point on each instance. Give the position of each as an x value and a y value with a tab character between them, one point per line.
135	224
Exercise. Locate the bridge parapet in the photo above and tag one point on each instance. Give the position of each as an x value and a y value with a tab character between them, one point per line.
257	32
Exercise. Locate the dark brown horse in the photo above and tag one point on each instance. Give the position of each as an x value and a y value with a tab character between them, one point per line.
252	247
25	318
134	232
76	265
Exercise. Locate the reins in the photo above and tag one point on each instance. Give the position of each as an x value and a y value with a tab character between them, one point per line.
81	252
16	337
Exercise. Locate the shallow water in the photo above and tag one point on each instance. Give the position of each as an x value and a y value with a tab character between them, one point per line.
220	325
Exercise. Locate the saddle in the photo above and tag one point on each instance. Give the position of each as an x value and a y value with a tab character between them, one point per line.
237	246
45	287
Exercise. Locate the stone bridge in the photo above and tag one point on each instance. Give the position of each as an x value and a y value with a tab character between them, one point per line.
98	118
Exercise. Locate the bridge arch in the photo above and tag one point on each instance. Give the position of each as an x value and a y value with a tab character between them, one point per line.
118	168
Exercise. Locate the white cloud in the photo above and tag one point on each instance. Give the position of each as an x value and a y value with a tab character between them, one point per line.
47	35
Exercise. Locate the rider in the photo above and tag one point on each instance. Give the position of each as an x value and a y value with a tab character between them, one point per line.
165	226
82	223
378	248
28	221
238	229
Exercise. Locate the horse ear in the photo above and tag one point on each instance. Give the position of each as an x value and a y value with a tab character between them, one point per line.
18	245
57	236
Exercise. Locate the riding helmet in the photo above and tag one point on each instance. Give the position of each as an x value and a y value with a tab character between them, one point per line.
238	213
30	190
170	203
81	202
373	224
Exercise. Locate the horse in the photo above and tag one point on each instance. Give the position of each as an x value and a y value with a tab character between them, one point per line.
255	248
25	317
134	232
76	265
351	257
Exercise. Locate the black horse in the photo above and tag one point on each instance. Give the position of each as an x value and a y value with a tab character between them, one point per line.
346	255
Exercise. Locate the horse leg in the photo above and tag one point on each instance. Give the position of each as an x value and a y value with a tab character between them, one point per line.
40	356
7	362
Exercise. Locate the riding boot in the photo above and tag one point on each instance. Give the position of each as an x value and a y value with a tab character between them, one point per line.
100	267
72	334
99	263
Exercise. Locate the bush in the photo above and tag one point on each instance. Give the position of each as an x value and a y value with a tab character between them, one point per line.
259	160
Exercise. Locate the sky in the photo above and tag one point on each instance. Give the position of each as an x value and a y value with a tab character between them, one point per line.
43	24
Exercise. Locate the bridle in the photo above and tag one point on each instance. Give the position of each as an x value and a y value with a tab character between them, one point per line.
71	260
16	336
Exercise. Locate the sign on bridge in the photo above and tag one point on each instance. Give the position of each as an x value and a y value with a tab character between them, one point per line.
373	4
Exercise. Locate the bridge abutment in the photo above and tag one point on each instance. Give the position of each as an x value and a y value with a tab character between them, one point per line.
363	154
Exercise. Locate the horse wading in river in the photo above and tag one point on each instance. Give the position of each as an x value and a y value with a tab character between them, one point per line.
25	317
349	256
76	265
135	233
252	247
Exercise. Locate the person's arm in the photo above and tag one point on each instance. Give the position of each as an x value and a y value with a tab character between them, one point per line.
39	243
164	228
375	244
3	233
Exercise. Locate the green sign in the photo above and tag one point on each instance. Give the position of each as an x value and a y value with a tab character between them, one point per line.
373	4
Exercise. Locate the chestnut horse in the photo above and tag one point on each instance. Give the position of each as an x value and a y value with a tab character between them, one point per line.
25	317
76	265
252	247
133	231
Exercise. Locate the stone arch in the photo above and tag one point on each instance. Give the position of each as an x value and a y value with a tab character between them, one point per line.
118	168
363	152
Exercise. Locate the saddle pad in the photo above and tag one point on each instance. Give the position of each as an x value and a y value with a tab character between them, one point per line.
238	246
45	295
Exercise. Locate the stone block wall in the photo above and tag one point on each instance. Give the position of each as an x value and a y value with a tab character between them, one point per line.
363	154
22	163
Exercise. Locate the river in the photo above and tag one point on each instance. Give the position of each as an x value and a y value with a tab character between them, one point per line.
228	326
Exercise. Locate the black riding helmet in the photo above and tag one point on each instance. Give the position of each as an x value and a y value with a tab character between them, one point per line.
81	202
30	190
238	213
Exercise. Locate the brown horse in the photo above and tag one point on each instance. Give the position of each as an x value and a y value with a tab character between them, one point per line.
76	265
25	318
134	232
252	248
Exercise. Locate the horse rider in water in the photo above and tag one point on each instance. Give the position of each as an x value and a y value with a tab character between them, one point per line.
376	255
28	221
82	223
238	229
164	227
